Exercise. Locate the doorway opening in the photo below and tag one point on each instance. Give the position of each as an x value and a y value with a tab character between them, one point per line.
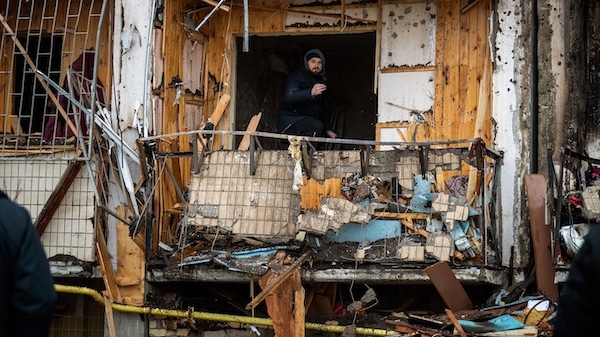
261	74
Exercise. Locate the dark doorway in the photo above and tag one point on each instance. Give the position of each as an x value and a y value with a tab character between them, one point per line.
350	65
30	98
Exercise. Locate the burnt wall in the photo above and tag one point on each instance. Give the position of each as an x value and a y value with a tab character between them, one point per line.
591	32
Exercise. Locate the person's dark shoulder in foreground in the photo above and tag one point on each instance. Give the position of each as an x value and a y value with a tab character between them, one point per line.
578	312
27	294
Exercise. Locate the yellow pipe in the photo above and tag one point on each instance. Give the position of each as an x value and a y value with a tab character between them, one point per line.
207	316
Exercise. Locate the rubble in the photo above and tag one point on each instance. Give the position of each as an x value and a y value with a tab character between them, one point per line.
356	211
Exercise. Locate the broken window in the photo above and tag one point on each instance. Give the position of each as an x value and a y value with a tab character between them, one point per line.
30	98
48	74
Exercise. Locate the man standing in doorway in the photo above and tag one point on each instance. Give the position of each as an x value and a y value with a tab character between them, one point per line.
303	112
27	293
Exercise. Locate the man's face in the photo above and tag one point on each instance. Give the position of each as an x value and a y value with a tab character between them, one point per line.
315	65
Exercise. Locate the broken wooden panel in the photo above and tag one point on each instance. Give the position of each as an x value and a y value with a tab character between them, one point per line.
224	194
535	187
311	191
57	196
129	276
193	62
461	39
6	77
404	96
282	301
448	286
408	34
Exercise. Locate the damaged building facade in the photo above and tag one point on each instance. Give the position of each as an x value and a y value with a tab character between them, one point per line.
141	137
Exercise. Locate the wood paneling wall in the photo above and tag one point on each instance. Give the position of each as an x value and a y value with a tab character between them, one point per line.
461	54
461	43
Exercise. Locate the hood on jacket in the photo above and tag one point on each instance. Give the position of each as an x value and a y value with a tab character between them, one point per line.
319	54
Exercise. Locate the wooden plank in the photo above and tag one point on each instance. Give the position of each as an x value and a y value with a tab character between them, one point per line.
408	223
449	287
299	310
61	189
447	59
173	45
280	306
535	188
245	143
217	115
276	282
110	321
108	274
441	68
483	115
456	324
14	125
378	36
405	69
130	264
392	215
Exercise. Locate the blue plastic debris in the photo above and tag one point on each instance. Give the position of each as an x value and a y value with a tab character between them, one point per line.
374	230
500	323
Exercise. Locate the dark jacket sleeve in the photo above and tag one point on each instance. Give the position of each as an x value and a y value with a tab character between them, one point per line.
27	294
578	306
299	103
297	89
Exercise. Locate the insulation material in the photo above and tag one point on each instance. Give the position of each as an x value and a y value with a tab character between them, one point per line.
408	34
401	94
373	231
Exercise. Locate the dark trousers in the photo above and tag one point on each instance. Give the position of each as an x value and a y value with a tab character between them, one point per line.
307	126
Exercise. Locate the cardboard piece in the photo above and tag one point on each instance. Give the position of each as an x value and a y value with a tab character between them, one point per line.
448	286
535	187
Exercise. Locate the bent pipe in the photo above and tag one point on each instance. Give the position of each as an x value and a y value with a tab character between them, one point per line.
207	316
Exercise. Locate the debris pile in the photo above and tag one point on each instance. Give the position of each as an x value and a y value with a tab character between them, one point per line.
395	208
578	204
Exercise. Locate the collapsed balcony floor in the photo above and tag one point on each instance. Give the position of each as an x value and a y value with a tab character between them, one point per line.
373	216
330	262
367	274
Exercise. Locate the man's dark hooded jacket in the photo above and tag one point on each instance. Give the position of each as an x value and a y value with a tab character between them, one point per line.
27	293
298	101
579	303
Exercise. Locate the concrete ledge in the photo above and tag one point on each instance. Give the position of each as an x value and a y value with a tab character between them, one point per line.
468	275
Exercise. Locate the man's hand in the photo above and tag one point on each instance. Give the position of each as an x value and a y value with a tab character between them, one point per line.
331	134
318	89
